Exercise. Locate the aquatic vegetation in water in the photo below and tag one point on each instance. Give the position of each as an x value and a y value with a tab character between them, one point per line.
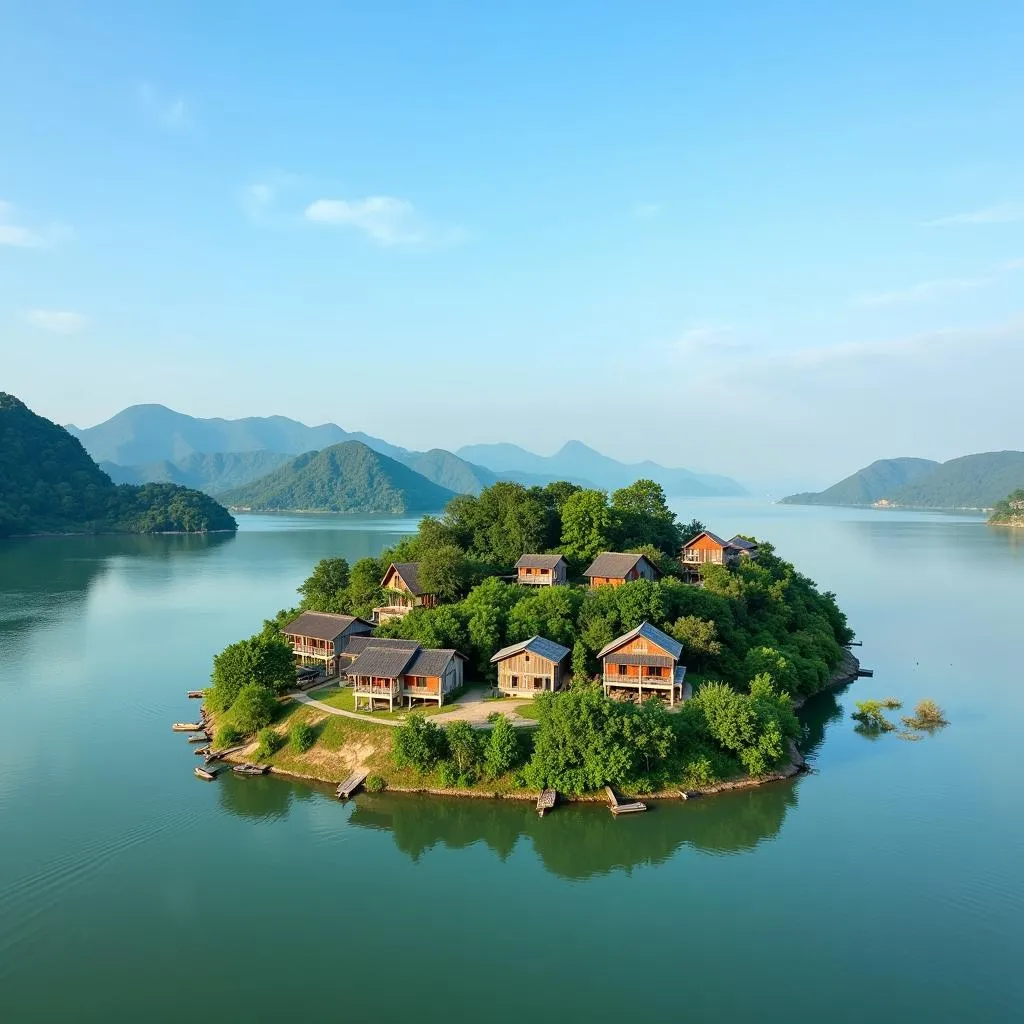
927	716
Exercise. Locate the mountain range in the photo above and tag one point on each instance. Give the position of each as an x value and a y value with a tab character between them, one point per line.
154	443
969	482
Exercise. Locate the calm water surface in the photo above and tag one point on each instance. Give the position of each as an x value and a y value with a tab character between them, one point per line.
888	885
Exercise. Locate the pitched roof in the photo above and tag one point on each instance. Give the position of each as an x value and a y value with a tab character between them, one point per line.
358	644
431	661
706	533
322	625
539	561
410	573
614	565
538	645
648	632
742	543
382	662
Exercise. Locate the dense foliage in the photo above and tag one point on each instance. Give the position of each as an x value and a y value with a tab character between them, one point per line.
1009	511
347	477
265	659
49	484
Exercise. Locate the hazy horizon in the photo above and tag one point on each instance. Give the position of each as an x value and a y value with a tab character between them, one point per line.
776	246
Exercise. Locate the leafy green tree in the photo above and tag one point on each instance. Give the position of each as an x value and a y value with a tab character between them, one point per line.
645	518
694	528
466	751
588	526
699	638
232	669
443	571
419	743
639	601
551	613
582	670
326	589
502	752
768	660
253	708
364	593
871	719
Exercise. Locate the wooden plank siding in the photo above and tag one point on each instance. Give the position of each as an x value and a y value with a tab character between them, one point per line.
527	673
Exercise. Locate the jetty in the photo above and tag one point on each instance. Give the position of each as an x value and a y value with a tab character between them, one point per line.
617	807
865	673
546	801
217	755
348	786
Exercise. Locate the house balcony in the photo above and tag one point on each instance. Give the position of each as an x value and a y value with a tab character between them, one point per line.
307	650
391	611
377	687
614	679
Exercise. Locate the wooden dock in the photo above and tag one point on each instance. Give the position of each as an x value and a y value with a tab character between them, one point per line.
196	694
188	726
617	807
351	784
217	755
546	801
865	673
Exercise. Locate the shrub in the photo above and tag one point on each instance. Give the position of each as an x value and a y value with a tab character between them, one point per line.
870	717
927	715
269	742
254	708
228	735
302	736
501	754
375	784
448	775
466	750
418	744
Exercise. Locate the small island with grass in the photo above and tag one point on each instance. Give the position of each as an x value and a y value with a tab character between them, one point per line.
1009	511
539	638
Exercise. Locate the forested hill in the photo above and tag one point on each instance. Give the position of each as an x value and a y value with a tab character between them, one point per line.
347	477
867	485
48	484
969	482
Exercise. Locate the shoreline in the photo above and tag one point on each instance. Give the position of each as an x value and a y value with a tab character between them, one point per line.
846	672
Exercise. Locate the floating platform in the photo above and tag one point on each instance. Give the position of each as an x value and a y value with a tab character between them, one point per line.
208	774
617	807
546	801
188	726
351	784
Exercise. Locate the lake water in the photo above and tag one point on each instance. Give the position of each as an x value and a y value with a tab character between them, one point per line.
888	885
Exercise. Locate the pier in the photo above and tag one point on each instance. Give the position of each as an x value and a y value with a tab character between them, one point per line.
347	787
617	807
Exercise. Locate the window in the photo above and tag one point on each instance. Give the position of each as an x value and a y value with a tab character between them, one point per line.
515	682
537	682
526	657
622	670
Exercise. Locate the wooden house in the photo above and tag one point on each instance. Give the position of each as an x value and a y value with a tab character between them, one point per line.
401	671
532	666
644	662
542	570
613	568
322	639
708	547
402	592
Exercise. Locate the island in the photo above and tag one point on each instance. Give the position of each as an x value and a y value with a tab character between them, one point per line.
49	484
610	646
1009	511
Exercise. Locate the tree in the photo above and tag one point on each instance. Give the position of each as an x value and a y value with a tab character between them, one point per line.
768	660
581	668
418	744
466	750
253	708
694	528
699	638
326	589
231	671
501	753
443	571
364	586
588	526
645	518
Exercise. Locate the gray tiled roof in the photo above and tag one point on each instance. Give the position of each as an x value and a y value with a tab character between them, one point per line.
322	625
706	533
539	561
538	645
614	564
358	644
410	573
648	632
381	662
742	543
431	661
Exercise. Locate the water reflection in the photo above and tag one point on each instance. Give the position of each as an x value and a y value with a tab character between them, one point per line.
261	797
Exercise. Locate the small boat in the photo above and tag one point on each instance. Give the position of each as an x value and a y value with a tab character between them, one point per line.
188	726
200	737
196	694
205	773
251	769
202	751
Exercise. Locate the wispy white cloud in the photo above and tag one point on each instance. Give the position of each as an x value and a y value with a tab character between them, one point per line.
171	111
15	232
708	338
383	219
646	211
258	198
56	321
923	291
1005	213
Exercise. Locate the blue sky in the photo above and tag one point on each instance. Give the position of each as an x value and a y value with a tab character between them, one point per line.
777	243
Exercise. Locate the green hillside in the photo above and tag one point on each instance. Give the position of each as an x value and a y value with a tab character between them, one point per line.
1009	511
348	477
449	471
48	484
879	480
973	481
213	473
